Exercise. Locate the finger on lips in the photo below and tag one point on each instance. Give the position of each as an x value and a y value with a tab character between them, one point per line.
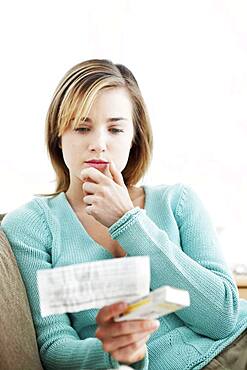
116	175
98	176
107	171
91	173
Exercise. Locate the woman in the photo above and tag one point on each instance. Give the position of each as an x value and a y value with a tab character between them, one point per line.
100	144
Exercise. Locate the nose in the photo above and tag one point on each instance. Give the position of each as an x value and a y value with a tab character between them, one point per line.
98	143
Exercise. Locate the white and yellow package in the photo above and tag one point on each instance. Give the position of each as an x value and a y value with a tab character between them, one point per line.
159	302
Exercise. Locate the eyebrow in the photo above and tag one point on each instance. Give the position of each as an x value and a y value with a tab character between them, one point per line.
112	119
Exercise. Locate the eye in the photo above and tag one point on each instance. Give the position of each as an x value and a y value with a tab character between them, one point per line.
116	130
81	129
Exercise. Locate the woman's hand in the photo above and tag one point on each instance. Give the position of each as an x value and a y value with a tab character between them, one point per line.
126	340
107	196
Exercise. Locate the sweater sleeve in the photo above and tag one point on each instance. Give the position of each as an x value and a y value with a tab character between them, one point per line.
59	344
196	265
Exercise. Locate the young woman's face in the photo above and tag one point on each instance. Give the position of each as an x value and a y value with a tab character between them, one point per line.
106	134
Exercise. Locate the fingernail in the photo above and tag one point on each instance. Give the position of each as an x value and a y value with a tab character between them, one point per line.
156	324
122	306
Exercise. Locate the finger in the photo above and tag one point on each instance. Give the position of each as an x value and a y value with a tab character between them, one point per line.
111	344
90	210
107	172
107	313
132	353
90	187
117	329
90	199
116	175
93	174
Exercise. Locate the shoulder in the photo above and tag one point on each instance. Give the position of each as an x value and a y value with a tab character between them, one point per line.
179	197
168	193
29	219
28	212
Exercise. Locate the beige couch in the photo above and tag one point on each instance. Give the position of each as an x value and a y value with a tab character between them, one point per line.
18	347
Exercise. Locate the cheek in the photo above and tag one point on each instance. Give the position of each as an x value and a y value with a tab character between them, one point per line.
121	154
122	146
69	152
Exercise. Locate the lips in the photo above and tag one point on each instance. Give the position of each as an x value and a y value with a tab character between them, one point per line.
97	161
100	165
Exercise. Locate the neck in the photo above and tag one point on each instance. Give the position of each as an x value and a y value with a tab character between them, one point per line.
75	198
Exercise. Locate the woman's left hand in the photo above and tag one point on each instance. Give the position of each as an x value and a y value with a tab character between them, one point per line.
107	196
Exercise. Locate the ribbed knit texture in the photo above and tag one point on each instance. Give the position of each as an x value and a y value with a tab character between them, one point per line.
175	230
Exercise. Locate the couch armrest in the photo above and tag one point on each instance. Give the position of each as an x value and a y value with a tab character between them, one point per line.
18	346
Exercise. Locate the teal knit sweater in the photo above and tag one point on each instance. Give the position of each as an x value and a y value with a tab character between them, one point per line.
175	230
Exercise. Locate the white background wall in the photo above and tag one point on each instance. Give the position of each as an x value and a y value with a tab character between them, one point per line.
190	58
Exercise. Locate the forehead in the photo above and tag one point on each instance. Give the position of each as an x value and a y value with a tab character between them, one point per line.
108	103
112	101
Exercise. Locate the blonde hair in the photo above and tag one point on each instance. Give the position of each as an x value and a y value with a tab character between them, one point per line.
73	98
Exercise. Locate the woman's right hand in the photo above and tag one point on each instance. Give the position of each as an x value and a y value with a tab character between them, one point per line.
125	340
